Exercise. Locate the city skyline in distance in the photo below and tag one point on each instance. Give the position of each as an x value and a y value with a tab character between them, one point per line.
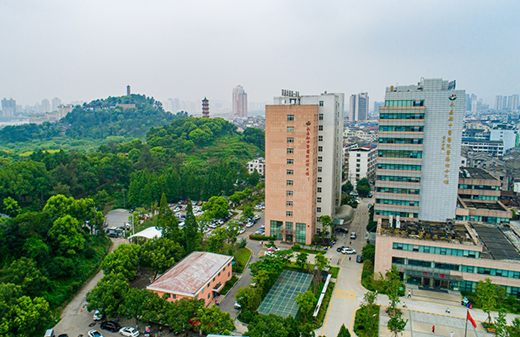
186	50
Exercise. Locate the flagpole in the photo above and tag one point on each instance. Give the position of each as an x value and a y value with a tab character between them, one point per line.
466	329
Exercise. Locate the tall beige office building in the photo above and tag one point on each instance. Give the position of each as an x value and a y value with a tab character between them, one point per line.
239	102
303	163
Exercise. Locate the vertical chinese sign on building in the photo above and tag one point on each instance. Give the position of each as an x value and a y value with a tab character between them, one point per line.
308	143
446	141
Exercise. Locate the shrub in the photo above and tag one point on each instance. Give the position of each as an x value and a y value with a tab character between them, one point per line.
260	237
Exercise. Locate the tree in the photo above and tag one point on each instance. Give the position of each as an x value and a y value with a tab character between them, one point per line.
214	321
22	315
487	296
396	323
363	187
392	285
272	325
216	207
65	235
247	212
347	187
11	207
133	303
181	312
191	236
161	253
321	261
501	325
370	298
368	252
249	298
124	259
108	296
25	273
326	221
343	332
306	302
515	328
301	259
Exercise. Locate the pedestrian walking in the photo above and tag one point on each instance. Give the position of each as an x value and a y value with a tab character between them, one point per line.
409	293
350	258
433	328
447	310
451	335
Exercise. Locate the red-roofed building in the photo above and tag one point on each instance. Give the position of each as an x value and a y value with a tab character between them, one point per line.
200	275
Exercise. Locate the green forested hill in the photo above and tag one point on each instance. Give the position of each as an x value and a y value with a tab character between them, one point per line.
205	155
96	120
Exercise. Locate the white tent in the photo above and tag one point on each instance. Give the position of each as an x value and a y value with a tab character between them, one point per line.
149	233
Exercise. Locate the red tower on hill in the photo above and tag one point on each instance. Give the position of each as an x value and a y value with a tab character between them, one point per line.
205	107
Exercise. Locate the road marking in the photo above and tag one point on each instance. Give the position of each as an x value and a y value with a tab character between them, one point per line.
353	319
330	304
346	294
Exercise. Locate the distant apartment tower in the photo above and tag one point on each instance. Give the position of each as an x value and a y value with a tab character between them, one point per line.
359	107
205	107
303	163
128	91
420	130
8	107
239	102
362	164
498	102
45	106
377	105
55	103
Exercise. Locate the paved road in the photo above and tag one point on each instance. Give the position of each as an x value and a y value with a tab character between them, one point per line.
348	292
227	304
75	318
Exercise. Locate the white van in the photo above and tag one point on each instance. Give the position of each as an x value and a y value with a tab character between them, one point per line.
49	333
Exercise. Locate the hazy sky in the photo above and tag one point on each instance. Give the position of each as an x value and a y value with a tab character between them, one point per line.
88	49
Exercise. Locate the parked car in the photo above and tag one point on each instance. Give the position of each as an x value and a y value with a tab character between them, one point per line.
110	326
249	224
98	316
353	235
340	249
129	331
113	235
260	232
237	305
63	335
348	251
359	259
94	333
49	333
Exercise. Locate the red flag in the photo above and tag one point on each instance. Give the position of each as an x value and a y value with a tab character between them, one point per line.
471	320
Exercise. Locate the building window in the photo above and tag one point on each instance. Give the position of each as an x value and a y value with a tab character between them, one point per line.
318	209
320	138
318	199
320	159
320	128
290	129
320	117
172	296
288	193
290	151
320	148
288	203
289	182
202	290
320	168
288	213
290	161
290	140
290	117
321	103
319	189
290	172
319	179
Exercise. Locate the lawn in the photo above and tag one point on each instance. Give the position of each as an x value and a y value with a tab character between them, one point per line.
242	255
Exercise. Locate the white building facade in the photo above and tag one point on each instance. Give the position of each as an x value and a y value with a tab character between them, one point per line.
362	164
256	164
420	131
